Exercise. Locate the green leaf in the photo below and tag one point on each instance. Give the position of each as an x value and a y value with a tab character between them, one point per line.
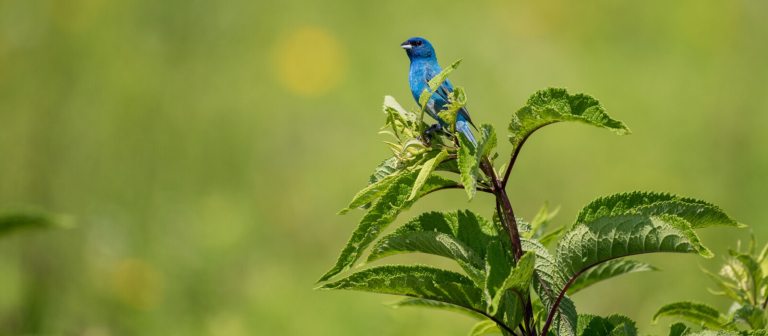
424	303
371	192
438	80
426	170
450	165
457	99
380	215
462	236
753	276
506	285
390	103
549	280
384	174
16	220
432	243
384	169
487	142
552	236
608	238
698	313
614	325
498	266
518	281
468	165
541	221
753	316
607	270
555	105
727	288
486	327
678	329
699	213
414	281
721	333
423	99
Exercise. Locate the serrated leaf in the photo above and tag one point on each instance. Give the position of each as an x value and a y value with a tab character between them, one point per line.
17	220
753	316
432	243
698	313
370	193
518	281
678	329
699	213
487	142
752	279
438	80
706	332
608	270
614	325
734	292
541	221
380	215
414	281
486	327
424	99
504	305
424	303
426	170
552	236
555	105
457	99
391	103
384	169
451	165
462	236
468	165
608	238
549	279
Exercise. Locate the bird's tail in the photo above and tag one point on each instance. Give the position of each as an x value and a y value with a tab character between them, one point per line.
464	126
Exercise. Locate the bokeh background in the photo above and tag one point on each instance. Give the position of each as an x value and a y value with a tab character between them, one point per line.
204	147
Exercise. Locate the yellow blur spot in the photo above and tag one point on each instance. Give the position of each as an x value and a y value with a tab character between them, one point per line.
309	61
136	284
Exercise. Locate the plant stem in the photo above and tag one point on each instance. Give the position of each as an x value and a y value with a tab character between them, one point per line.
507	217
516	152
459	186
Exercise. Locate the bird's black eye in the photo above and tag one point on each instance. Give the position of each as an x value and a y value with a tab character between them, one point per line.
417	43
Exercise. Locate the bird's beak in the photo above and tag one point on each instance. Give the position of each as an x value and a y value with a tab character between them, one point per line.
406	46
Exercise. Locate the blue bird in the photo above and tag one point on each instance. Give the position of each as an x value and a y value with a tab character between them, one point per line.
424	66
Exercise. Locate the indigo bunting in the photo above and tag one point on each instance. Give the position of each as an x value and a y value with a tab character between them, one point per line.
424	66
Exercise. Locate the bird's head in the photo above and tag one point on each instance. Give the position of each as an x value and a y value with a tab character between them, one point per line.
417	47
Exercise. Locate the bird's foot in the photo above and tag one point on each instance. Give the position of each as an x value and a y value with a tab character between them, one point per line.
429	133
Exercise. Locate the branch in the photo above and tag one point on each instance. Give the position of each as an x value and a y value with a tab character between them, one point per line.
458	186
516	152
510	223
507	217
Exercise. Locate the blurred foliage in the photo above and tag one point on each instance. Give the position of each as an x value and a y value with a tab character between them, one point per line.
204	146
742	279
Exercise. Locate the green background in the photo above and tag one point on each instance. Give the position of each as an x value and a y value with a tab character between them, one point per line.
204	147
